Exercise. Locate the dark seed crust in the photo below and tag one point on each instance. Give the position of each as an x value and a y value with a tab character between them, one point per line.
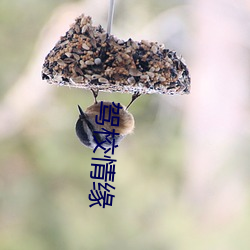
87	57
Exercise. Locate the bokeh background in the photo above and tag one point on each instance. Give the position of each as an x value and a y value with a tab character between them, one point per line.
182	178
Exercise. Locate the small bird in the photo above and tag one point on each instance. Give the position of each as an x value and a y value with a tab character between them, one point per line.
86	124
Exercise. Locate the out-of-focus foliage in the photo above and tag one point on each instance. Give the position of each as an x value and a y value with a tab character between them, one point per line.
20	23
44	170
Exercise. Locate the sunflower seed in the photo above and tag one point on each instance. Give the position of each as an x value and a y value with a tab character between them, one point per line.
77	29
64	43
84	29
77	79
88	62
77	57
61	62
68	54
150	74
154	49
69	60
103	80
85	46
78	70
145	42
144	78
131	80
134	72
95	76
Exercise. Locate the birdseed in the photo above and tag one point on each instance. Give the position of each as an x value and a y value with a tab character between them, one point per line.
87	57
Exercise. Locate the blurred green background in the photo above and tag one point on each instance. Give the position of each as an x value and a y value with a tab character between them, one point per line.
182	178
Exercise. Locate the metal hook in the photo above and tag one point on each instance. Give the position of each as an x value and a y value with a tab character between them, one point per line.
110	16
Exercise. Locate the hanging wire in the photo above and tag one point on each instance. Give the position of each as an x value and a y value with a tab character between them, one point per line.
110	16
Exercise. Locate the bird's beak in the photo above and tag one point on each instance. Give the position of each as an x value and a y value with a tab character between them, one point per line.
82	115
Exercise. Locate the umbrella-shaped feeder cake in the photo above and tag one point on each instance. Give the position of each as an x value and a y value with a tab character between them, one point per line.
88	57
